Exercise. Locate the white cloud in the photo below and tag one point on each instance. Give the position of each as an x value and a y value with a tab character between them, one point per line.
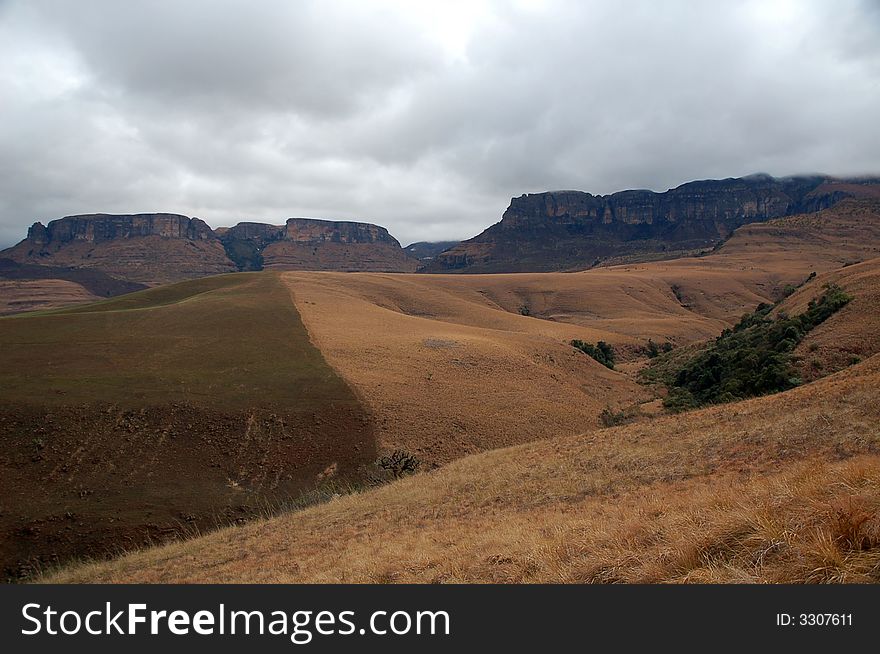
423	117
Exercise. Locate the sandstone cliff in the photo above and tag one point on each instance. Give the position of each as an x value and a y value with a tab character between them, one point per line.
563	230
309	244
162	247
151	248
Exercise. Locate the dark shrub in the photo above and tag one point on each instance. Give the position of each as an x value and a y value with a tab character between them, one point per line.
601	351
399	463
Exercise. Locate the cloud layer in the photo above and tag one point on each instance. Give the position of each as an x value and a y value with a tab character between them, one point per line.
423	117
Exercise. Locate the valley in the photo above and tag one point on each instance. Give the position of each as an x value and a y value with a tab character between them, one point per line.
234	422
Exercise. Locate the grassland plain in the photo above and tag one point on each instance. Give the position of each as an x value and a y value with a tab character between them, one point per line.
169	410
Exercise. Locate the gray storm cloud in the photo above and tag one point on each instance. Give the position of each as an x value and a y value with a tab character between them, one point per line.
423	117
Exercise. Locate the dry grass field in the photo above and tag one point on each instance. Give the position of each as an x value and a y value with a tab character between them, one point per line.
178	408
476	376
449	366
781	488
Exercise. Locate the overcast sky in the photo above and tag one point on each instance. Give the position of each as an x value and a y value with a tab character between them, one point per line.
422	117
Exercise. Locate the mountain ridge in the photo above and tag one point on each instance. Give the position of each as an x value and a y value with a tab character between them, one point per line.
539	232
569	230
156	248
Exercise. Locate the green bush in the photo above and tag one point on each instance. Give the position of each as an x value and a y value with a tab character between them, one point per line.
751	359
601	351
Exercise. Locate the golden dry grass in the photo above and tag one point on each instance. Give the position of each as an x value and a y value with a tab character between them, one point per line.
781	488
449	367
853	333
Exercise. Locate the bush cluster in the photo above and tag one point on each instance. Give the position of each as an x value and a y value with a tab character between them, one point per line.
653	350
601	351
753	358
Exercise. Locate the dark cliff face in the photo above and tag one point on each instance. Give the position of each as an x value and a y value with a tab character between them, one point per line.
95	228
427	250
563	230
244	243
261	232
163	247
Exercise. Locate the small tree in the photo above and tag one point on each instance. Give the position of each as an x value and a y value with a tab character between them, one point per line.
611	418
400	463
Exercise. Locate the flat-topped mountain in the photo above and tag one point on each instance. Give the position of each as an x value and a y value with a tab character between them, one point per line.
310	244
157	248
150	248
565	230
552	231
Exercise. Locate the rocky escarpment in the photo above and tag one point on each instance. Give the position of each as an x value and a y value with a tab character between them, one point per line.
152	248
564	230
158	248
97	228
309	244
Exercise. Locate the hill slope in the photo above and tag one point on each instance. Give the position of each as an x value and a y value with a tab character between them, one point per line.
168	410
711	495
450	366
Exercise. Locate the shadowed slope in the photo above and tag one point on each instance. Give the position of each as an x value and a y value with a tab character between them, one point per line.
161	412
712	495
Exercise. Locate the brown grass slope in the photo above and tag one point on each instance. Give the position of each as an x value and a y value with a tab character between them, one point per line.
780	488
850	335
163	412
19	295
450	367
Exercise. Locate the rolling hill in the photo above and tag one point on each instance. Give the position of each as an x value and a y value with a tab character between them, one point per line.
165	411
708	496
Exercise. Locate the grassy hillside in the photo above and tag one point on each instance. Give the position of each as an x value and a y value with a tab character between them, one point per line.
230	341
711	495
161	412
452	365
